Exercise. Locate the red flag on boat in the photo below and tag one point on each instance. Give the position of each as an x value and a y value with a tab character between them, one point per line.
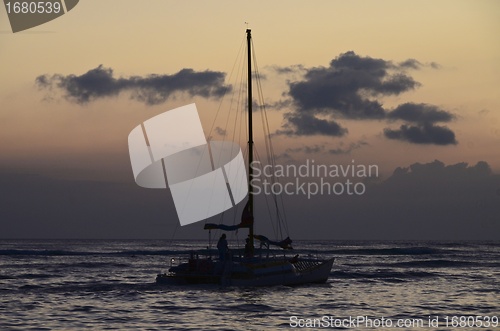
246	216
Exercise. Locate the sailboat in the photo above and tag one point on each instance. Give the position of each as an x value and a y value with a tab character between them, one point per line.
256	267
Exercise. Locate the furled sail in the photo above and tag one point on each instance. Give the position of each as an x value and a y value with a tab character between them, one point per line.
223	227
285	243
246	216
246	221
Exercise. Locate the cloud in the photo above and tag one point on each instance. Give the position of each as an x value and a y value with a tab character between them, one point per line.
308	125
306	149
220	131
438	201
344	89
421	201
344	86
341	88
422	134
349	88
321	148
438	168
287	155
296	68
435	65
425	201
277	105
420	113
411	64
152	89
417	65
423	130
352	146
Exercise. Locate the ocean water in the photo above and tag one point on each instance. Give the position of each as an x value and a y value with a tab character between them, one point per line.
109	285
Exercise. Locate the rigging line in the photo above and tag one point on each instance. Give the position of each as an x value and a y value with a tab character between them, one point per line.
266	142
240	109
269	147
257	156
239	58
229	79
280	212
273	178
245	70
191	182
233	95
175	231
261	105
265	128
238	103
240	99
236	113
236	211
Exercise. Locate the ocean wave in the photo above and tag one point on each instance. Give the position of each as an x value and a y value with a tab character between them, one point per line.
383	251
28	252
435	264
383	275
37	276
250	307
23	252
90	287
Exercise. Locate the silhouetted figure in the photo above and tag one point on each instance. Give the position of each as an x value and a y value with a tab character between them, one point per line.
222	247
248	248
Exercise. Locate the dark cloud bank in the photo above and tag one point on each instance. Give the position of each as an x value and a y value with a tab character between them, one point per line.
153	89
350	87
322	148
423	130
422	201
430	201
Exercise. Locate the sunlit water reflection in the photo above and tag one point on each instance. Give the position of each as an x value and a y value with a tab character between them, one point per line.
109	285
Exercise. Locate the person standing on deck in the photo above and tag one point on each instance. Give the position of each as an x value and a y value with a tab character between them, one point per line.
222	247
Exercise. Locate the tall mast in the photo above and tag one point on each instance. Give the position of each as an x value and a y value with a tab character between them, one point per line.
250	138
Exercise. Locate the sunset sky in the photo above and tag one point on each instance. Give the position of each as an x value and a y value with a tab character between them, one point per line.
390	83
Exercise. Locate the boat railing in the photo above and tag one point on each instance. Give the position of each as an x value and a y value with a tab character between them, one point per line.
238	254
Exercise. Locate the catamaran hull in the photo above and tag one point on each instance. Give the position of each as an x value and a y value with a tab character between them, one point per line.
288	274
317	275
